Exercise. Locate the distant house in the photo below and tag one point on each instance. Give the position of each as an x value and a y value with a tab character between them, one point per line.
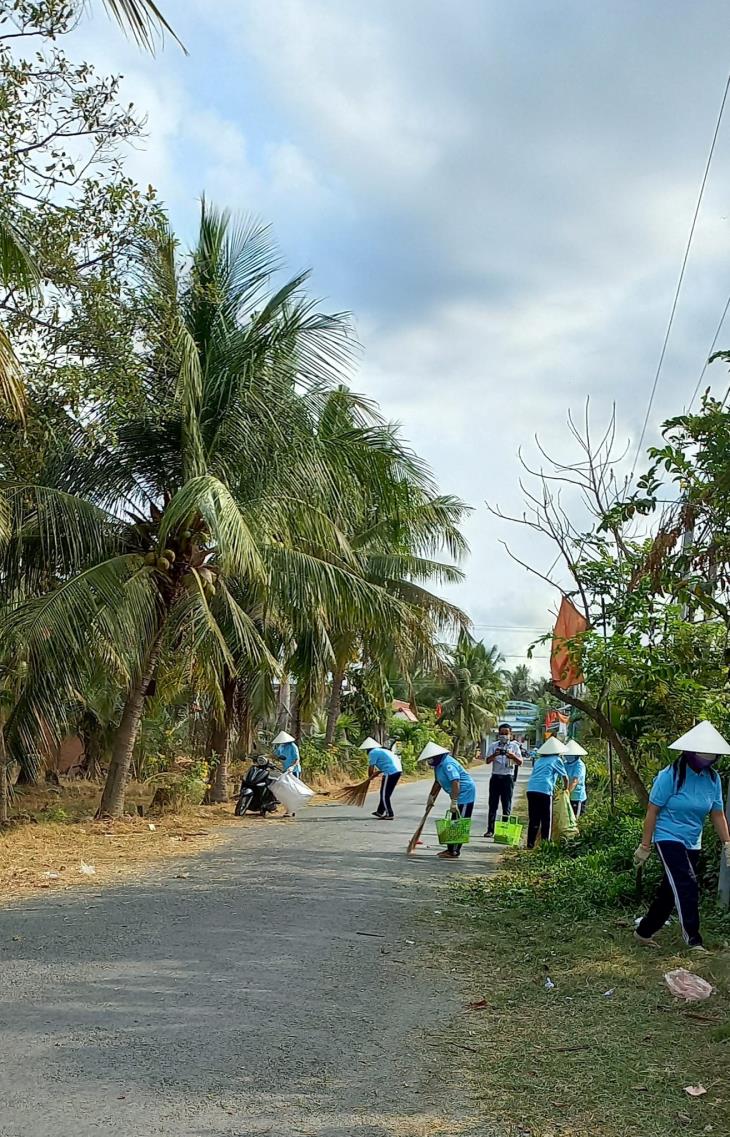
403	710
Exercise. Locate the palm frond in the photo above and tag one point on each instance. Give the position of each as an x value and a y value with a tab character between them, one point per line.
142	19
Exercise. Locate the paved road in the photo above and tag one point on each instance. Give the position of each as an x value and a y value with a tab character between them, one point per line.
274	991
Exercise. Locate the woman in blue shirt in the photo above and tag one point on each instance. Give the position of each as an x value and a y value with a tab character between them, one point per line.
384	762
546	771
681	798
287	750
455	781
573	761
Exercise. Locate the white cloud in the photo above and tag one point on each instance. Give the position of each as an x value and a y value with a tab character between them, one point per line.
502	193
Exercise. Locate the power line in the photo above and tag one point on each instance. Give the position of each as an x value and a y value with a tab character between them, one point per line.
681	278
709	354
507	628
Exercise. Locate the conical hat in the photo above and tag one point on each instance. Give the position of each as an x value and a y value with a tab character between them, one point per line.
369	744
574	747
432	750
703	739
552	746
282	737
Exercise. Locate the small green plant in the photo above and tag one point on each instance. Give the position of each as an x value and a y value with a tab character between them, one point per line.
54	813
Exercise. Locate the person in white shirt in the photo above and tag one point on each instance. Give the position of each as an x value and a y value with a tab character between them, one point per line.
504	757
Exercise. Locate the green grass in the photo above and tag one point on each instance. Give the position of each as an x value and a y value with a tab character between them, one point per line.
574	1060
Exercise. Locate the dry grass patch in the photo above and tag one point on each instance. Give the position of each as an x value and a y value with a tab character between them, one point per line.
53	835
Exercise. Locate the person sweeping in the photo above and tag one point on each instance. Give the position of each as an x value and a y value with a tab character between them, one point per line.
455	781
682	797
388	765
573	761
548	768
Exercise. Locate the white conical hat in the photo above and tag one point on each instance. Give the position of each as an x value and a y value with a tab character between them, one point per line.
574	747
369	744
703	739
432	750
282	737
552	746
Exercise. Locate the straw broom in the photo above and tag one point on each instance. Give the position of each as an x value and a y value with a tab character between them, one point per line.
417	835
354	794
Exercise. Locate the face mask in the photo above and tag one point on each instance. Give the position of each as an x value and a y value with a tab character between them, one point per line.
700	762
433	762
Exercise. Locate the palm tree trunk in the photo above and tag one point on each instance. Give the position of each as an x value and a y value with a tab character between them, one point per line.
112	798
333	710
4	792
221	746
283	709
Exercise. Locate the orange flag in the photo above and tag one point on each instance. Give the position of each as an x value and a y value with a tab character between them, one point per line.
564	671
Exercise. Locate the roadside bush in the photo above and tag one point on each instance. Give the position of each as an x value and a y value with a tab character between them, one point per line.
413	736
590	875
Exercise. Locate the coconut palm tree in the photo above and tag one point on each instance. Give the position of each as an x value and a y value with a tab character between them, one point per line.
470	689
383	498
17	270
198	519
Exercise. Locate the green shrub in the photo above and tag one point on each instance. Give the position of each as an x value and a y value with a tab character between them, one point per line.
591	875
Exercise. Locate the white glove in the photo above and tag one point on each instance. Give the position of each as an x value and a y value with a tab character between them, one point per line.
455	808
641	856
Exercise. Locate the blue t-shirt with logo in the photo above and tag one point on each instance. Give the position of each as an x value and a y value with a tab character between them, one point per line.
577	769
447	771
545	773
682	812
289	754
384	761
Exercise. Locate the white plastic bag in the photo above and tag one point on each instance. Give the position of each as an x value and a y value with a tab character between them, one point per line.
688	986
291	792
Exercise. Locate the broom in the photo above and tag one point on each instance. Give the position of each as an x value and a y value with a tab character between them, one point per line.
354	794
417	835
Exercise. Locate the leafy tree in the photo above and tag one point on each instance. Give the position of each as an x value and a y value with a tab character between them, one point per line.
192	530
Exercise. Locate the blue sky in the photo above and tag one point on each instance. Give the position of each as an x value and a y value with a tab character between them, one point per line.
500	192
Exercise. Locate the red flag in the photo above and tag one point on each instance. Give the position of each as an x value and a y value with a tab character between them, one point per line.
564	671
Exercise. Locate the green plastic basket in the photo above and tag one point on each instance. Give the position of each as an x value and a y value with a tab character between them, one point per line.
508	832
453	830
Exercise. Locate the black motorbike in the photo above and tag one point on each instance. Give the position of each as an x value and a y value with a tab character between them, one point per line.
255	792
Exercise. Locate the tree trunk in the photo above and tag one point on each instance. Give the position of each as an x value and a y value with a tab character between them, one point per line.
4	792
112	798
610	734
221	746
333	710
283	709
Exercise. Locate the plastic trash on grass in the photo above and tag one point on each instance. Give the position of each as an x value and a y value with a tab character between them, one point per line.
685	985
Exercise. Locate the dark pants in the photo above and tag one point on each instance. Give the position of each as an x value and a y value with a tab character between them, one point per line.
579	808
539	817
465	811
388	782
678	889
501	788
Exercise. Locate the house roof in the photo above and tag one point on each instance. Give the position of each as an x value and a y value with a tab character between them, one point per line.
404	709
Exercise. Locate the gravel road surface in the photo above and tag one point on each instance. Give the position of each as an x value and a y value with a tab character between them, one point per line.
292	984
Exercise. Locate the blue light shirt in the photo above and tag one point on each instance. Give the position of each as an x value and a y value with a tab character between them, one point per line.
577	769
290	760
385	761
501	764
682	812
447	771
545	773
